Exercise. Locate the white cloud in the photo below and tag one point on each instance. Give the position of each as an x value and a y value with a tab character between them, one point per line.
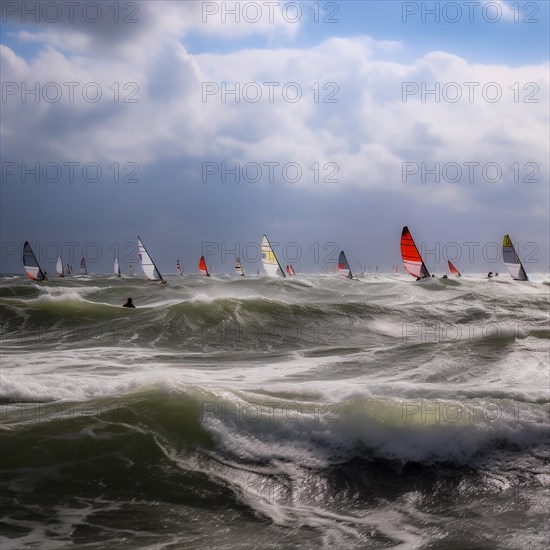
369	131
500	9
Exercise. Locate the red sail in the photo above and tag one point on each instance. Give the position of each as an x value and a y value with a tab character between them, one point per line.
453	269
412	261
202	267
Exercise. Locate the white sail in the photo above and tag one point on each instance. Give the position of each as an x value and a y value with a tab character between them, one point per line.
59	267
149	268
238	267
31	264
512	261
270	262
83	269
117	268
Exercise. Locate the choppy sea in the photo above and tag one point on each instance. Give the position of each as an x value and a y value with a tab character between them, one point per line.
255	413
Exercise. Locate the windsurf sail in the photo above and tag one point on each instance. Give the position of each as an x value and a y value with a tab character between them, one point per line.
147	264
290	270
269	260
117	268
412	261
178	268
83	270
203	268
453	269
361	267
31	265
512	261
238	267
59	268
343	266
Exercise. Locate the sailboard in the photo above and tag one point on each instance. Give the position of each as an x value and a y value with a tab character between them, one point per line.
269	260
31	264
148	265
203	268
117	268
83	270
453	269
290	270
412	261
343	266
512	261
59	268
238	267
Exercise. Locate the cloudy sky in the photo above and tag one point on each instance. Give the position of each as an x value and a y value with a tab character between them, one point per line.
200	126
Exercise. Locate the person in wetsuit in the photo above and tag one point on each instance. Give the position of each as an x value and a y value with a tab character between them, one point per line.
128	303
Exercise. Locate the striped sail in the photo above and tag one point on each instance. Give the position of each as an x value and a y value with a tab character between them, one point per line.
453	269
512	261
203	268
178	268
290	270
343	266
117	268
238	267
31	265
149	268
83	270
269	260
412	261
59	268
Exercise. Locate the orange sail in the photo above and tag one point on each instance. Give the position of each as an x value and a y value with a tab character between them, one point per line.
453	269
412	261
202	267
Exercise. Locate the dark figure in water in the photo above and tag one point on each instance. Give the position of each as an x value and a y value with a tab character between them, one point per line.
128	303
490	275
444	277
